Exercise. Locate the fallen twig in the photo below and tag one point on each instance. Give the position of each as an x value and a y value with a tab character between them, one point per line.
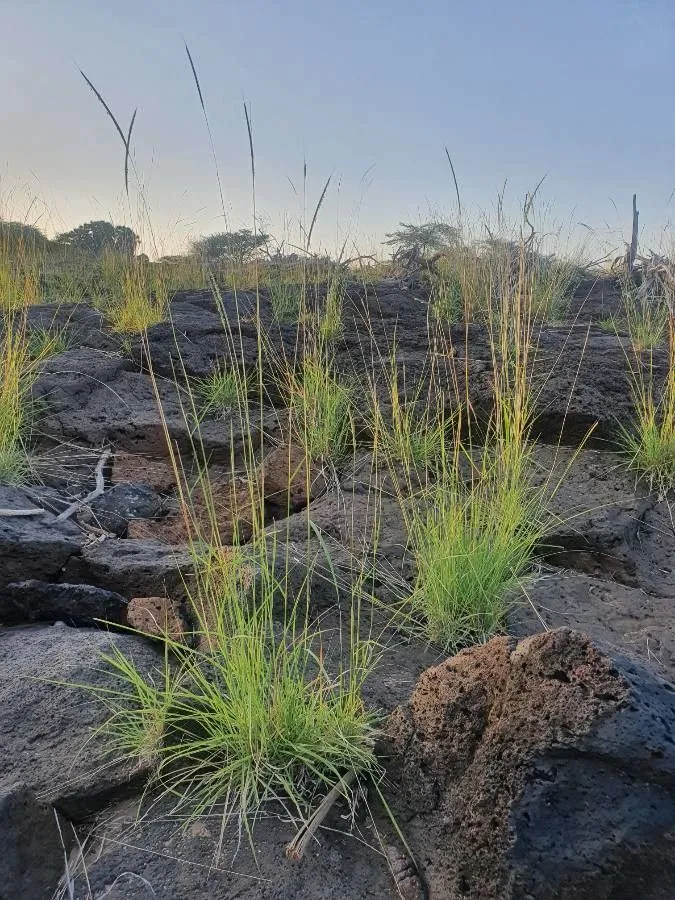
92	495
296	849
22	512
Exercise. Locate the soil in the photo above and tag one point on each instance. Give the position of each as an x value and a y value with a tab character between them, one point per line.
466	734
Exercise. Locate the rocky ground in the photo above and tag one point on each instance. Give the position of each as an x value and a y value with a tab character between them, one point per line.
539	769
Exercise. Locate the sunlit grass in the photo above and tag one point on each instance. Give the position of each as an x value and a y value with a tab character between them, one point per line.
321	410
15	382
222	391
649	443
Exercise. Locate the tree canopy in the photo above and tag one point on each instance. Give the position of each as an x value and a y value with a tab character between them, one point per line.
96	237
230	246
421	240
16	237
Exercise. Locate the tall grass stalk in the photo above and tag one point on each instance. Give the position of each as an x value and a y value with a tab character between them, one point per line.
475	531
321	409
649	443
16	373
251	710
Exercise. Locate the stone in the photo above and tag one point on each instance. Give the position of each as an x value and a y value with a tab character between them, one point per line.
535	770
288	484
28	602
114	508
134	468
35	546
51	719
34	846
132	568
157	616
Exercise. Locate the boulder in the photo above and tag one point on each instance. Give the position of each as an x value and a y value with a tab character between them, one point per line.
33	546
28	602
95	398
540	769
132	568
34	845
51	736
115	508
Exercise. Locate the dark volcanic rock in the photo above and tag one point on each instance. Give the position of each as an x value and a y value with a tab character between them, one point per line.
625	618
27	602
83	325
96	398
538	770
150	857
113	509
132	568
50	737
33	848
35	546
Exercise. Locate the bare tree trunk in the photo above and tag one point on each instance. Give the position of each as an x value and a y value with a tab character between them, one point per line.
632	252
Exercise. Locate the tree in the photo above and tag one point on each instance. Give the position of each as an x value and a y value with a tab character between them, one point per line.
96	237
17	237
421	241
230	246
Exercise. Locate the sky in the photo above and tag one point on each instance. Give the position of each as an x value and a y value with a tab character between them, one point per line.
577	92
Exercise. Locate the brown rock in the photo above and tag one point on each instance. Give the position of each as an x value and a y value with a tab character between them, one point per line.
158	616
465	742
132	468
223	505
288	484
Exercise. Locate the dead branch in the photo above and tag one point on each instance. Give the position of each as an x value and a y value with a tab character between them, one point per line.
98	490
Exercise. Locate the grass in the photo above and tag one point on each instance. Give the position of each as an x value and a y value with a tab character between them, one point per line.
221	391
16	373
330	321
19	283
321	410
257	717
472	546
472	279
650	443
286	300
143	299
474	532
253	708
646	322
46	342
252	711
412	434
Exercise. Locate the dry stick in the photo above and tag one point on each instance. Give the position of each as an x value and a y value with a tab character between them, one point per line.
632	251
296	849
98	490
22	512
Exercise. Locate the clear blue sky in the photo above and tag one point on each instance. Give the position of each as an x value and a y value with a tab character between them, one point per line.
578	90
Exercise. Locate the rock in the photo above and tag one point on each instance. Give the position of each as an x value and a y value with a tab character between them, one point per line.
50	723
288	484
113	509
537	770
133	468
157	616
225	504
35	546
95	398
83	325
27	602
151	857
33	847
132	568
598	511
627	619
